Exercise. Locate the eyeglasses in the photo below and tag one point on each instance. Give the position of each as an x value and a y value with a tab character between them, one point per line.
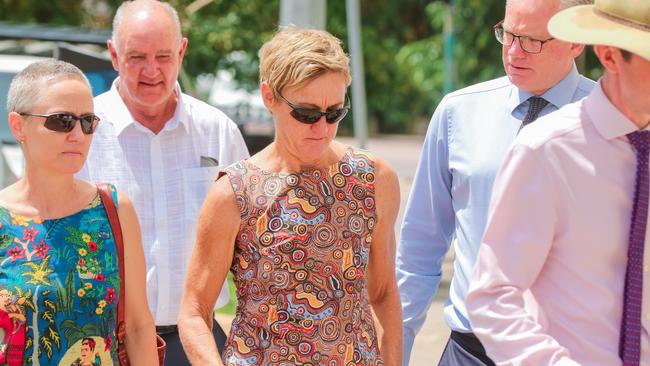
528	44
65	122
312	115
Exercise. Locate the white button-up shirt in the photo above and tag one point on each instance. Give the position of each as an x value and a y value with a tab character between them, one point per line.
167	176
559	230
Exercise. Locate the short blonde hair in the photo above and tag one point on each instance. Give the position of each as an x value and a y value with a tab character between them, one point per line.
293	57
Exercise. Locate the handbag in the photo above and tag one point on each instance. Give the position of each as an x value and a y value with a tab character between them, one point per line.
120	332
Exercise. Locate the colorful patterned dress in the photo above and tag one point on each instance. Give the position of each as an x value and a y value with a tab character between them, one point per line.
300	265
59	285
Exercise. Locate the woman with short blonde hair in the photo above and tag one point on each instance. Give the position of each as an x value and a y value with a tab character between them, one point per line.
306	226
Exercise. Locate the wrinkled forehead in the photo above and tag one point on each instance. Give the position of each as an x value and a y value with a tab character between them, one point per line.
144	30
147	43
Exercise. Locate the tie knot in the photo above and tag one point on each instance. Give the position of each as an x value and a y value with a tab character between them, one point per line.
535	106
640	140
537	103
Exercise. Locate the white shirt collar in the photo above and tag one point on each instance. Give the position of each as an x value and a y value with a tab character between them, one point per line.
122	118
560	94
610	122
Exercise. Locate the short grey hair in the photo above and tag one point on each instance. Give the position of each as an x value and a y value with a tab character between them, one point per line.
26	87
119	14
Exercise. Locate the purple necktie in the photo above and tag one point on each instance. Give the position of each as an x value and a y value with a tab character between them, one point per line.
535	105
630	341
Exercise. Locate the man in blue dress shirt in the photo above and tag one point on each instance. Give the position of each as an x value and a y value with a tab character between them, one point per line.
465	145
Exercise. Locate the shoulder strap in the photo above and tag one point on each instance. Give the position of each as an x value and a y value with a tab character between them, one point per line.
113	219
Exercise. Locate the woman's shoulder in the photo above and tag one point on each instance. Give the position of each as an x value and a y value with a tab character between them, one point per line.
344	151
8	196
235	171
355	156
90	200
367	159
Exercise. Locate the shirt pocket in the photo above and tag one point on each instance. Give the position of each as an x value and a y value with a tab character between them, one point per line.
196	184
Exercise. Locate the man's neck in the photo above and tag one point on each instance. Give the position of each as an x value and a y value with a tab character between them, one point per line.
612	89
153	117
541	92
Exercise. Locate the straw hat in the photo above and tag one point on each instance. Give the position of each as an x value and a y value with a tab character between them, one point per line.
619	23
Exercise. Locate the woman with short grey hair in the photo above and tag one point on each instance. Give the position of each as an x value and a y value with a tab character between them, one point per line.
58	256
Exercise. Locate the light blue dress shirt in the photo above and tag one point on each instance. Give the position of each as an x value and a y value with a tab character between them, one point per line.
466	142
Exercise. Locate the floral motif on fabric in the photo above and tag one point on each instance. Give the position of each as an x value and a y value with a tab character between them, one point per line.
59	284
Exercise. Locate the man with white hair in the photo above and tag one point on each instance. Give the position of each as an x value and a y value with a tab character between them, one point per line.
562	276
161	147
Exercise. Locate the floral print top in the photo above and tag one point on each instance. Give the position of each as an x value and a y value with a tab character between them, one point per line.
59	285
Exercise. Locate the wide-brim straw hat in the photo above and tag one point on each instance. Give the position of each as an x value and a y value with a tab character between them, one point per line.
619	23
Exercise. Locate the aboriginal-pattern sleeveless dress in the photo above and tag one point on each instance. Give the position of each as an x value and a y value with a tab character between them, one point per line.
59	287
300	265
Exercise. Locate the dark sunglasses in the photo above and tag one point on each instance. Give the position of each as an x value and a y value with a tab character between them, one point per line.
312	115
65	122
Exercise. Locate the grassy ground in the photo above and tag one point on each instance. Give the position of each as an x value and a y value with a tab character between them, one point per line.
231	306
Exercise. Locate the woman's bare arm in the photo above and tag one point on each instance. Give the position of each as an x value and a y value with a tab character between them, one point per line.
218	226
382	285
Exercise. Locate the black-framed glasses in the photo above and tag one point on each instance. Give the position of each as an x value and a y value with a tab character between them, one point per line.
528	44
65	122
312	115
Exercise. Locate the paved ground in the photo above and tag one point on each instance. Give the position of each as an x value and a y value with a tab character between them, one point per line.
403	152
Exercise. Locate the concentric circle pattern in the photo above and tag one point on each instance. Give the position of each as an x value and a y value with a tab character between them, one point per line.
300	265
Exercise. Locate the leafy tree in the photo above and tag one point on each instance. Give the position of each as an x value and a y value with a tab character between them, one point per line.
394	100
403	45
404	54
226	35
88	13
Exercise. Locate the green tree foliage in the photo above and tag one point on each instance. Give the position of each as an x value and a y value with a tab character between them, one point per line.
88	13
403	45
395	99
404	55
226	35
34	11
